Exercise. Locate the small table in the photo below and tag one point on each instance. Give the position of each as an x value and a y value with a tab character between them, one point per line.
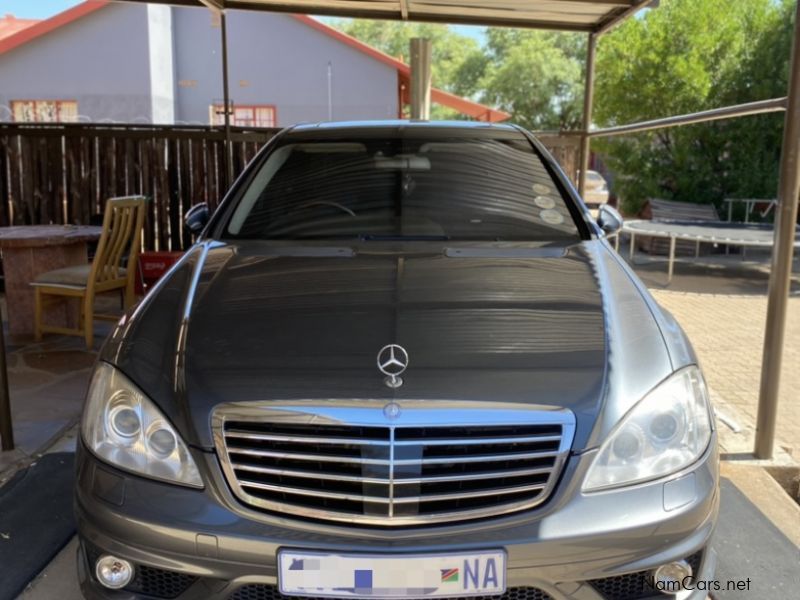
30	250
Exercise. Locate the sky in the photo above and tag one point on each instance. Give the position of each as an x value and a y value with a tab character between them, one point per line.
42	9
35	9
475	32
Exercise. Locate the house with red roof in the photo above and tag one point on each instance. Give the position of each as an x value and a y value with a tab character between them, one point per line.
102	61
9	25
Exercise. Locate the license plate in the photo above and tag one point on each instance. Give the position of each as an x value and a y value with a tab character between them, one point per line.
334	575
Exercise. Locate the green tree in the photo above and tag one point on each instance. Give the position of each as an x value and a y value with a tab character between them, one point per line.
457	63
451	50
685	56
536	76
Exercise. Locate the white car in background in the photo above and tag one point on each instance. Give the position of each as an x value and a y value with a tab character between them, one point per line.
596	192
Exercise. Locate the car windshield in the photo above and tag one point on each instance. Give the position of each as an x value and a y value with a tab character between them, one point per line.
427	187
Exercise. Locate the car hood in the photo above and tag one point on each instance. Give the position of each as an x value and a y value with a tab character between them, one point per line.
257	322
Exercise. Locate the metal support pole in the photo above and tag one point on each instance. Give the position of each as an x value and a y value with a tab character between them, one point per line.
760	107
226	97
781	271
330	91
588	98
420	50
671	264
6	429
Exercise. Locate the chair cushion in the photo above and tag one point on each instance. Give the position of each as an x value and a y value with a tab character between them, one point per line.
76	276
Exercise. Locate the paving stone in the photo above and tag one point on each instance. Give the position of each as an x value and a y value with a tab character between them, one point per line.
721	302
730	351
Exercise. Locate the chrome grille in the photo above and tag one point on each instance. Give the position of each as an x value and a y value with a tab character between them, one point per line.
356	465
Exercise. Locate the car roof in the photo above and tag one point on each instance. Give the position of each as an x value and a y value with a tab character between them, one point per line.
403	123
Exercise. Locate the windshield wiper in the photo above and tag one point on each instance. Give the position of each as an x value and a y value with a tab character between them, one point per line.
376	237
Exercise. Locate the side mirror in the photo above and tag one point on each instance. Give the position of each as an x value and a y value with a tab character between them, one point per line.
609	219
196	218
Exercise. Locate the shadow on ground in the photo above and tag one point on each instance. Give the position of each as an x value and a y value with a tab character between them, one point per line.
47	384
715	273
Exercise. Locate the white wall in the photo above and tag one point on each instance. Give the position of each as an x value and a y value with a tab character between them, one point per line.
131	63
100	60
275	59
162	73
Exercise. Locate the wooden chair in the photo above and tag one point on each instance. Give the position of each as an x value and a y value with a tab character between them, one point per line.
121	239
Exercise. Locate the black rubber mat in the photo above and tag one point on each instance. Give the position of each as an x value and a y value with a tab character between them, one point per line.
35	520
750	547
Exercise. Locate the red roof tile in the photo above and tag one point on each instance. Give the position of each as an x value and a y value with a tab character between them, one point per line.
43	27
9	25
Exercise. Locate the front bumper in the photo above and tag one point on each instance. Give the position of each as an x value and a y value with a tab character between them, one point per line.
228	551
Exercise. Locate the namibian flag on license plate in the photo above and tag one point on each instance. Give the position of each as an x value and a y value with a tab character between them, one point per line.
362	576
449	575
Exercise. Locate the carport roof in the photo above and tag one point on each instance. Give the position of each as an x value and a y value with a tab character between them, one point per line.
569	15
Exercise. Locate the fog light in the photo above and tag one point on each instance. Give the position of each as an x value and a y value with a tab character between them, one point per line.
671	577
113	572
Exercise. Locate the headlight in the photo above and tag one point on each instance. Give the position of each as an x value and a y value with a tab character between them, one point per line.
122	426
666	431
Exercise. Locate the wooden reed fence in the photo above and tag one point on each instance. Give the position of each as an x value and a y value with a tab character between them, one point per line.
565	148
63	173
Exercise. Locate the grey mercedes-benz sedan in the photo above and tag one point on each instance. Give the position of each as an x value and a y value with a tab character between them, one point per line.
400	361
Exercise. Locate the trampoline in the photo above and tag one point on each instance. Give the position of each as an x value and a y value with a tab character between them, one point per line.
713	232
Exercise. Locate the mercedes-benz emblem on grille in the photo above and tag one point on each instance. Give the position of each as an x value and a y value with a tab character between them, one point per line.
392	361
391	411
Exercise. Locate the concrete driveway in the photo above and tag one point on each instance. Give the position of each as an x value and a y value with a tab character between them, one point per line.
59	580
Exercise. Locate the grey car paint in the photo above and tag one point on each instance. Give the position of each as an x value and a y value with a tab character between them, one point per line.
559	326
294	327
575	537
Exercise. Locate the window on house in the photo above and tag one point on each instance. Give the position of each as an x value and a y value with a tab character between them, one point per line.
45	111
245	116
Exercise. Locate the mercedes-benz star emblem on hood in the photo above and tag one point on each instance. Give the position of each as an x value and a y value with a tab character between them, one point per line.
392	361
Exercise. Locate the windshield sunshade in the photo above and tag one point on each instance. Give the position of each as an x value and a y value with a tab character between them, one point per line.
397	188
